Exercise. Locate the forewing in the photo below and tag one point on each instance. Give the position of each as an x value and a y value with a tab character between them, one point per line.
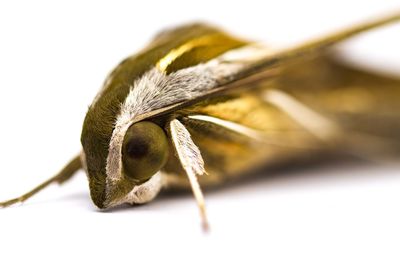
355	99
362	104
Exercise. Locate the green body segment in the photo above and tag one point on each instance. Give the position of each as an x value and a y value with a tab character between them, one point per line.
101	116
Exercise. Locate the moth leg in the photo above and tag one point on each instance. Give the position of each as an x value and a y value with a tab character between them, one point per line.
64	175
192	162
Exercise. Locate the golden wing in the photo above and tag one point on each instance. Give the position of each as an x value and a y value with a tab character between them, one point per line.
357	113
256	69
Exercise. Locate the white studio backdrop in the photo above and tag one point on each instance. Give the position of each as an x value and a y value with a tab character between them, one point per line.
54	57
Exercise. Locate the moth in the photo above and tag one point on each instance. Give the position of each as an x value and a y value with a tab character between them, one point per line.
197	98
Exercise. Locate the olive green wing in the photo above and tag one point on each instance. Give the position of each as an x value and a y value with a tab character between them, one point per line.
264	66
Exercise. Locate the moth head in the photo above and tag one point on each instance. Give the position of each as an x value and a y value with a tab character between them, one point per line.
127	170
123	155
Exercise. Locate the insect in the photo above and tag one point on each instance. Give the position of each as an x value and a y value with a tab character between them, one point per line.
197	99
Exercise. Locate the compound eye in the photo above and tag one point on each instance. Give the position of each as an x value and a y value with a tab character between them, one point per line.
144	151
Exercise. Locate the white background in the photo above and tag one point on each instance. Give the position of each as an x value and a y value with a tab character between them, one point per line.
53	59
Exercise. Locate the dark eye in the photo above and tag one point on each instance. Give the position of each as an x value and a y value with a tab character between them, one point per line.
144	151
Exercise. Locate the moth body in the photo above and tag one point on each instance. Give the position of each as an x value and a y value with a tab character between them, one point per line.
198	106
